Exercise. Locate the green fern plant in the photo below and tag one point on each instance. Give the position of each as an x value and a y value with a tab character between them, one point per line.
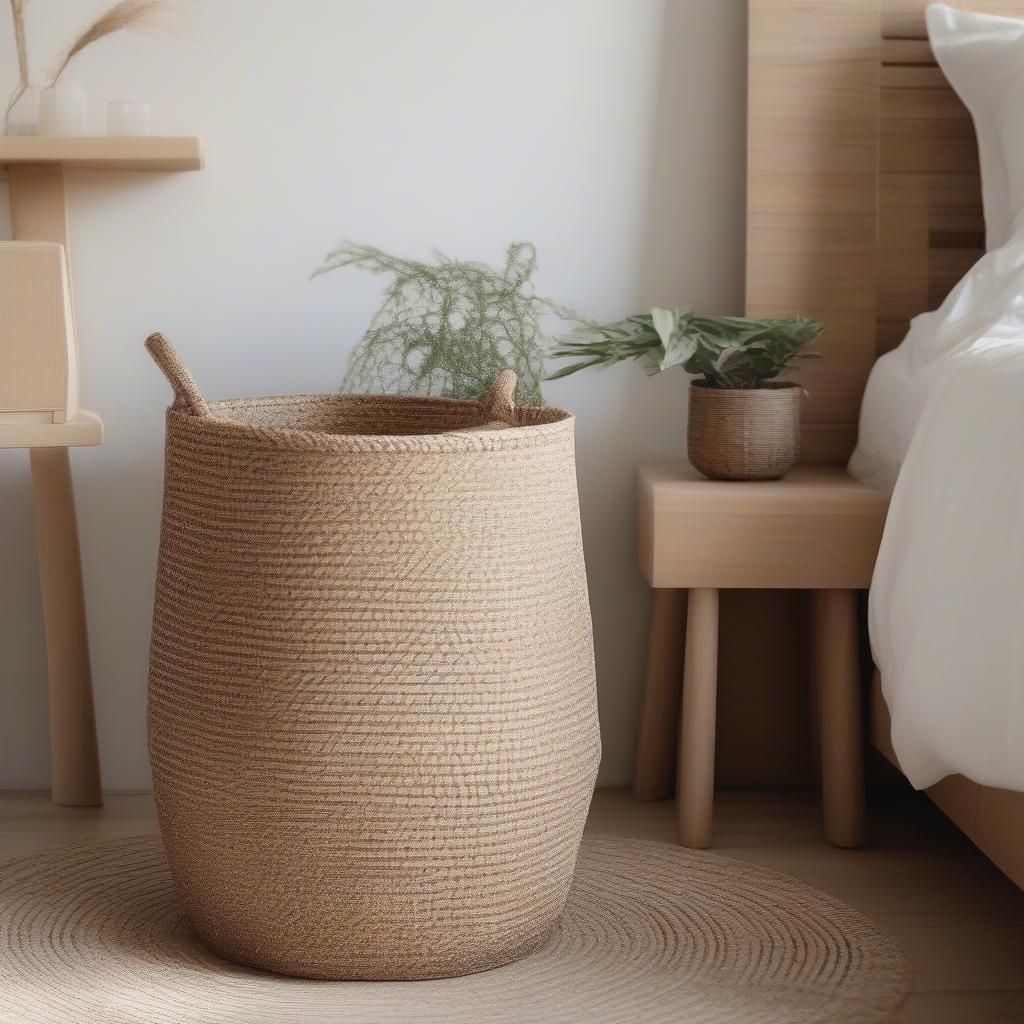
448	328
727	351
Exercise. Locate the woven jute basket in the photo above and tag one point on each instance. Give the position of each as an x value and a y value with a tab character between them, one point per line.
749	434
372	715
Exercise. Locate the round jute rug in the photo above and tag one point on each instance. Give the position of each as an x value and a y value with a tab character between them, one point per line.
652	933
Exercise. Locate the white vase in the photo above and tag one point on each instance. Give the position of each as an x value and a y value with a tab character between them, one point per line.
62	110
23	117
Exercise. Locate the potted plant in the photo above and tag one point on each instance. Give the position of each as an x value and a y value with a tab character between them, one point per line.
744	423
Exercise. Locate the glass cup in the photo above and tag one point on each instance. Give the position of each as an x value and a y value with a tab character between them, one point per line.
62	110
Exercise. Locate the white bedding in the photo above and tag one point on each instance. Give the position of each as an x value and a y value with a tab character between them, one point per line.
985	307
946	608
942	426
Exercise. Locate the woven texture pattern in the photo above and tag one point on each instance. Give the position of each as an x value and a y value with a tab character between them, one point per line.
652	934
372	713
749	434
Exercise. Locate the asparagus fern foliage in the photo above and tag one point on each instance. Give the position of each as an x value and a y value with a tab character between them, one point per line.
449	327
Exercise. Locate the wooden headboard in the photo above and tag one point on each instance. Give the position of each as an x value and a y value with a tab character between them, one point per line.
863	199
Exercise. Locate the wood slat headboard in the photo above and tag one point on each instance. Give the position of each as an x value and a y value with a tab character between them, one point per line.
863	195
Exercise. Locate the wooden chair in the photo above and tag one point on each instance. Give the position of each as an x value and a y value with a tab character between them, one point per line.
39	411
817	529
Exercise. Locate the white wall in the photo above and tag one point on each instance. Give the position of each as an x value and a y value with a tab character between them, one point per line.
607	132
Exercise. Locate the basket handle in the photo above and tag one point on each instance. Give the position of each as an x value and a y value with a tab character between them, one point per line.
187	395
499	402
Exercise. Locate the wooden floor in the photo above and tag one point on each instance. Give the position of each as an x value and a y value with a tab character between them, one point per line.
958	917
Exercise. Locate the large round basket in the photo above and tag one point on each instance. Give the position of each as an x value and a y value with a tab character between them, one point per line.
372	717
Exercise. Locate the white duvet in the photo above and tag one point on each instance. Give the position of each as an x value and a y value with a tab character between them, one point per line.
946	608
947	600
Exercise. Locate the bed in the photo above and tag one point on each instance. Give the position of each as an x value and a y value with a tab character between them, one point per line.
865	210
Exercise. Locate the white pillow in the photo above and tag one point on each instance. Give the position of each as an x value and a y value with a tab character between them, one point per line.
982	55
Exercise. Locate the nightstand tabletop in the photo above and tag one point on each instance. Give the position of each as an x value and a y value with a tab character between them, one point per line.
818	528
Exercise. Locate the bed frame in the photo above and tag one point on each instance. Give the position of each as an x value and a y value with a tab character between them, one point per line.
864	209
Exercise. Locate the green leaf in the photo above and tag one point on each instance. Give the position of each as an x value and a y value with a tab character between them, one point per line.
677	344
729	352
665	322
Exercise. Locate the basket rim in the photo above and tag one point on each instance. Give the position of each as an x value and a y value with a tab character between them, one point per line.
521	435
773	387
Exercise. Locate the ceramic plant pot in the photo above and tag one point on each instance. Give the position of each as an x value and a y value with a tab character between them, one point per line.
746	434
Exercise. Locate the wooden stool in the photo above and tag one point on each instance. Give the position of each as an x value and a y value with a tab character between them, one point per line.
818	529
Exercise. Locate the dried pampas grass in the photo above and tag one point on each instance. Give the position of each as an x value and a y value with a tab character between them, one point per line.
18	15
135	15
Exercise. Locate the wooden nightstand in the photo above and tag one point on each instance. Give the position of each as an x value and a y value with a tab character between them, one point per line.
817	529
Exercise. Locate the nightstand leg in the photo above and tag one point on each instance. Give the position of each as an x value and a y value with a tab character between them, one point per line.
695	785
654	765
836	667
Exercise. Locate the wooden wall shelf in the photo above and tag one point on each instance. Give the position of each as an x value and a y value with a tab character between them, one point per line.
101	152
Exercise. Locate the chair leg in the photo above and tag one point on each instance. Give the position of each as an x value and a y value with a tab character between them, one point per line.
695	787
654	764
76	773
837	676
